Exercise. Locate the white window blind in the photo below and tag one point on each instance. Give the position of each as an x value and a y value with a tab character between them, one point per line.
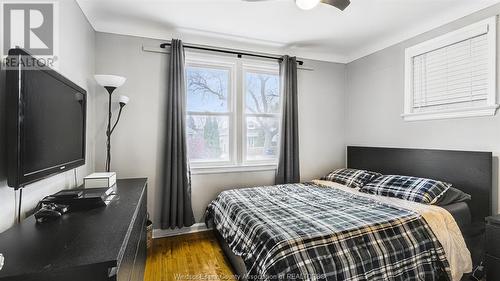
452	76
452	73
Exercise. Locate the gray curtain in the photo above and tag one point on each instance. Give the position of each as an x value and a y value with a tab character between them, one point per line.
176	198
288	165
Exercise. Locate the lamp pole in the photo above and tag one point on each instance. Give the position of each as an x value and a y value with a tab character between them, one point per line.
110	83
123	101
108	131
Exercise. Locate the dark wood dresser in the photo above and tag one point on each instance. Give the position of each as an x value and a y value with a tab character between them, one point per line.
106	243
493	248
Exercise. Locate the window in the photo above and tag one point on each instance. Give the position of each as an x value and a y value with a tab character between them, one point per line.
233	112
262	108
452	75
209	113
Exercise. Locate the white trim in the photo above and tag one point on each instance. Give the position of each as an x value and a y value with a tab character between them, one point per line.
489	110
492	53
464	33
197	227
208	113
154	49
216	60
239	136
266	67
232	169
486	26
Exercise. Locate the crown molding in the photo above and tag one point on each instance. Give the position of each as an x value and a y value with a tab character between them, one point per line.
225	41
215	39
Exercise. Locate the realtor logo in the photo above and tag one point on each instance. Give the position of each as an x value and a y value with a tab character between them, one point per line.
29	26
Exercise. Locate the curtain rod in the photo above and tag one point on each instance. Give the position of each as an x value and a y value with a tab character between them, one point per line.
233	52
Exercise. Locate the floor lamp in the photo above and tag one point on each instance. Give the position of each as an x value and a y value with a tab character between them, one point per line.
110	83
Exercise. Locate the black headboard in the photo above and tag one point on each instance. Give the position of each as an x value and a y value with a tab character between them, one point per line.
469	171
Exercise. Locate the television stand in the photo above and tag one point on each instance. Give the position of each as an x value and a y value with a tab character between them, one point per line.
106	243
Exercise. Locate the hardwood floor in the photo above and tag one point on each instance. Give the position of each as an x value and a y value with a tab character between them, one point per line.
192	257
196	256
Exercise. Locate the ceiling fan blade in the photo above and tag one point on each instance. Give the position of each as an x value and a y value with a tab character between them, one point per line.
340	4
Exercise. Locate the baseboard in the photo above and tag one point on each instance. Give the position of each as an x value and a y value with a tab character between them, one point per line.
197	227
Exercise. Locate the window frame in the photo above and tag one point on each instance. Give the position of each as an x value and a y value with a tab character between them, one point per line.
486	26
236	105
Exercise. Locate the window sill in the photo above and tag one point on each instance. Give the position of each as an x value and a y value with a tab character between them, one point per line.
488	110
200	170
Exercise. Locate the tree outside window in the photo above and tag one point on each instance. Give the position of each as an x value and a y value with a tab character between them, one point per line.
215	110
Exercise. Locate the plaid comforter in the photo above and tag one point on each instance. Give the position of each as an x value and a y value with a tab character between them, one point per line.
308	232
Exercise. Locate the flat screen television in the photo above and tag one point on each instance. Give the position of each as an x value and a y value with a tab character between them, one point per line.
46	116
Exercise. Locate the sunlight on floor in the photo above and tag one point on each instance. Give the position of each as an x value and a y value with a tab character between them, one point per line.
187	257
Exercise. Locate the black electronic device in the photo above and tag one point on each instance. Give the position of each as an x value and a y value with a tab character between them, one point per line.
44	215
68	194
87	198
50	212
46	115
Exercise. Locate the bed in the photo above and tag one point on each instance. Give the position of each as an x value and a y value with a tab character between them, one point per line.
325	231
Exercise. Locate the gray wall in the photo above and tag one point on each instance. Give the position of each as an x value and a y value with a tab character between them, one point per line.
76	61
357	104
374	96
137	142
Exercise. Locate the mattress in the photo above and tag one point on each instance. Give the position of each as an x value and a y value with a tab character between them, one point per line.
461	213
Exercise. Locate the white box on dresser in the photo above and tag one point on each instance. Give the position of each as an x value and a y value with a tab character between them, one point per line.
97	180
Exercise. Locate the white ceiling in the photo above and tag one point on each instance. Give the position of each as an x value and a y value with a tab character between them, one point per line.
278	26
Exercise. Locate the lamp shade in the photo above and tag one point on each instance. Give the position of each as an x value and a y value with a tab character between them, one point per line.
110	80
123	99
306	4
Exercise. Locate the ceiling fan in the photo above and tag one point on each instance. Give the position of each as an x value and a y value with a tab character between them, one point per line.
309	4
